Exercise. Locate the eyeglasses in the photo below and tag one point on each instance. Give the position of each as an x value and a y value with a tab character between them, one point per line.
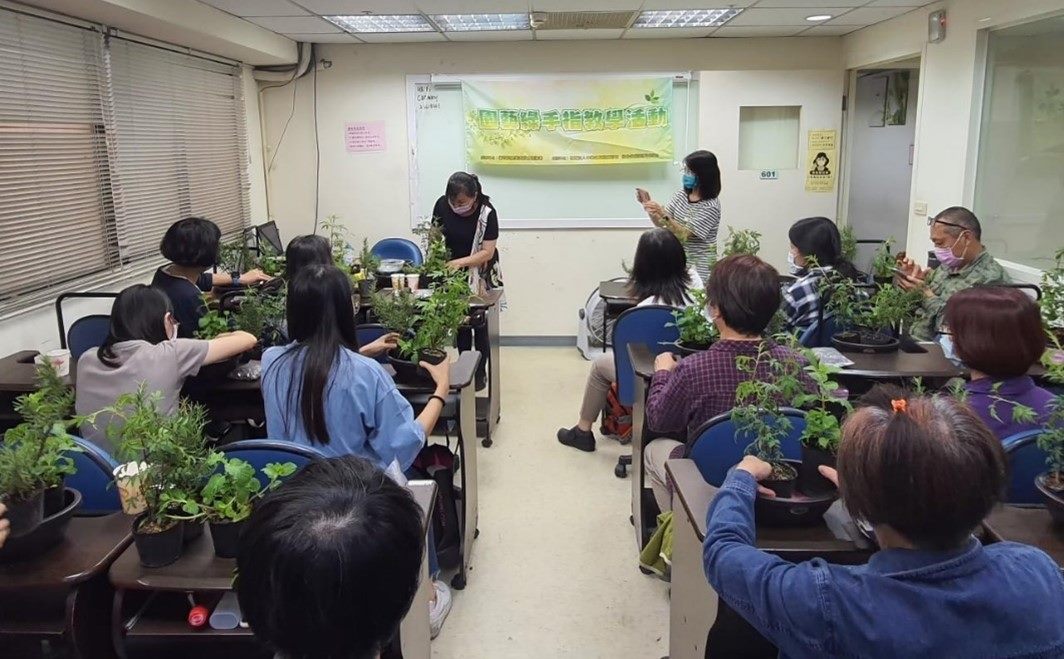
931	221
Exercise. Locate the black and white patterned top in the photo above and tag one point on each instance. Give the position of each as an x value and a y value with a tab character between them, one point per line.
801	299
702	219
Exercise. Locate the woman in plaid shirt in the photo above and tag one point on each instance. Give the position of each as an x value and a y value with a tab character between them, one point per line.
816	252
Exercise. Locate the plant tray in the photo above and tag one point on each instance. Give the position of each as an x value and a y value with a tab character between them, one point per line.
49	534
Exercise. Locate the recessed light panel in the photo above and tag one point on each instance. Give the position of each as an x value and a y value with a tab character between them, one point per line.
686	18
489	22
382	23
818	17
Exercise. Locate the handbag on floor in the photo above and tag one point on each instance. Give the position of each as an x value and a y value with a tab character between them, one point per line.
438	463
616	418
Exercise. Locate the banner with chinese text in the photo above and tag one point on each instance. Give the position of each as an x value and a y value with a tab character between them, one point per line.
605	121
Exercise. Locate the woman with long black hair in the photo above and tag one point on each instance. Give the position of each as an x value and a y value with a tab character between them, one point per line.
142	347
470	226
815	254
659	276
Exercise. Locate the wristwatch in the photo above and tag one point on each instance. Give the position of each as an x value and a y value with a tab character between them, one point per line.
235	276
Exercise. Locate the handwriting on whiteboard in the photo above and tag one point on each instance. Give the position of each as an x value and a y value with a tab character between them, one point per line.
426	97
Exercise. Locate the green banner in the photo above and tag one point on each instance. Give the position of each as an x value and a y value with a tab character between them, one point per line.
593	121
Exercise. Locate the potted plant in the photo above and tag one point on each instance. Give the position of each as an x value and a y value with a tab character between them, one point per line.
1051	483
870	324
848	242
742	241
396	310
366	273
262	313
825	410
1052	302
883	263
438	318
337	235
435	269
697	333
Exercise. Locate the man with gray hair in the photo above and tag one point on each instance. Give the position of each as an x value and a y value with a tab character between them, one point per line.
965	263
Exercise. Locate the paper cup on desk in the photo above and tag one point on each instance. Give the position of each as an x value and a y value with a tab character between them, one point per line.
397	281
412	281
128	479
59	359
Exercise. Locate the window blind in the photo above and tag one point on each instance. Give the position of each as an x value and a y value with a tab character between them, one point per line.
179	144
55	206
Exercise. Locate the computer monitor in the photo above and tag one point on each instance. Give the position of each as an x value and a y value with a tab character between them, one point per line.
268	233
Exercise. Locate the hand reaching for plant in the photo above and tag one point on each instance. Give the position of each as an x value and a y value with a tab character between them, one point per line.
5	525
441	375
666	361
255	276
760	470
380	345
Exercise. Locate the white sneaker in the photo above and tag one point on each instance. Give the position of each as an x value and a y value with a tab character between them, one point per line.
439	609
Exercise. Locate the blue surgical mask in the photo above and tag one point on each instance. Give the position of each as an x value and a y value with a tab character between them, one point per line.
689	181
946	341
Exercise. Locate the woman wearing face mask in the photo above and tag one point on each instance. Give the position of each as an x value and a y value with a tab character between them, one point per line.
142	347
693	213
471	227
816	253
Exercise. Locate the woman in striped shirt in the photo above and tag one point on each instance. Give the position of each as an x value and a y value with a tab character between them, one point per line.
693	214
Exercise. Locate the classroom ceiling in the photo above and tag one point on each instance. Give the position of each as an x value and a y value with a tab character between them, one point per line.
373	21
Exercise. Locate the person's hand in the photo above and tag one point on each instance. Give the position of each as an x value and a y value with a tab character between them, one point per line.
255	276
653	209
380	345
666	361
455	264
440	373
829	473
5	525
760	470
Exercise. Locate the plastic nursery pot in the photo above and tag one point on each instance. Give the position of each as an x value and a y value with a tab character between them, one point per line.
688	349
810	482
855	342
783	486
25	515
55	498
158	548
193	530
1053	494
226	536
797	509
409	372
48	534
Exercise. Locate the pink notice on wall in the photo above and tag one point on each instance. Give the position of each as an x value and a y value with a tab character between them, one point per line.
364	136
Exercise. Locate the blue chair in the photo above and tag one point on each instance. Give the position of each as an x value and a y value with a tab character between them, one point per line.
718	447
260	452
86	333
1026	461
398	248
370	332
94	478
653	325
810	336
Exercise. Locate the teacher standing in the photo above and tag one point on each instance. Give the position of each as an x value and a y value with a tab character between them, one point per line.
693	213
470	226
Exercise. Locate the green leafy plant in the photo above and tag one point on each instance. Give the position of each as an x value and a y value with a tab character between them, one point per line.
437	256
396	310
368	262
824	407
849	243
212	323
742	241
337	234
1052	438
231	490
1052	302
696	331
271	264
439	317
262	313
883	261
872	317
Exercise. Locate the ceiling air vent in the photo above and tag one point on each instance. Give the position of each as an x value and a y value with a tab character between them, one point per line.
588	20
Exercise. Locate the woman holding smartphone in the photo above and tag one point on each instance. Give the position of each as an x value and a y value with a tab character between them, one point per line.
693	213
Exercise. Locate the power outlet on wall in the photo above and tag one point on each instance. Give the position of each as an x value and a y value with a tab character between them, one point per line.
920	208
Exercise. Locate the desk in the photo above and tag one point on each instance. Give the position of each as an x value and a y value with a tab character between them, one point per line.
1030	526
617	299
489	409
64	595
18	375
694	605
150	603
901	364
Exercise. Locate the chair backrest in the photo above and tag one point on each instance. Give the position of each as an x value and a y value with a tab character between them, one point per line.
63	334
94	478
398	248
1026	461
718	446
652	325
260	452
86	333
370	332
1034	290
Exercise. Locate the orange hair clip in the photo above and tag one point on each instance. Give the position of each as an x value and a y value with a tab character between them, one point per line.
899	404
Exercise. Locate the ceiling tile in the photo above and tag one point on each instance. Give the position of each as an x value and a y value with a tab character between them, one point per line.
405	37
694	4
830	30
763	17
295	24
809	4
481	35
338	7
668	32
751	31
556	35
258	7
867	16
588	5
472	6
338	37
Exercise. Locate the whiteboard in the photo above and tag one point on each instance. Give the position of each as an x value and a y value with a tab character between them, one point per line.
537	197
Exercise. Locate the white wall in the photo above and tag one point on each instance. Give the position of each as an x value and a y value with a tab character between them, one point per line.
880	173
949	95
548	273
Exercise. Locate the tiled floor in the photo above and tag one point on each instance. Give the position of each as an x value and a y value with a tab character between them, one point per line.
554	572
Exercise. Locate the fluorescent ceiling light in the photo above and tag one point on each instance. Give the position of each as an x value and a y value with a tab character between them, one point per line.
472	22
382	23
818	17
685	18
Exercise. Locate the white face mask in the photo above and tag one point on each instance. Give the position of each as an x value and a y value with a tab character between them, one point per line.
794	267
946	341
173	327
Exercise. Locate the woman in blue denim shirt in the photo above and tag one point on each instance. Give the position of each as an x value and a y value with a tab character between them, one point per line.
924	472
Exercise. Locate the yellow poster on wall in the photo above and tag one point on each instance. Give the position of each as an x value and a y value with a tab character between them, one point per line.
607	121
821	160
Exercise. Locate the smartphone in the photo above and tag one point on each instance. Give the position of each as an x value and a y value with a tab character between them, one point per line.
641	195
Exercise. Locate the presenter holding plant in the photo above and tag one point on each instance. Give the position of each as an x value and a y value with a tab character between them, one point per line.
693	213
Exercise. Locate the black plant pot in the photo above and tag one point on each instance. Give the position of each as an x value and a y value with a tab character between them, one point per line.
810	482
409	372
48	534
1054	498
159	549
855	342
688	349
193	530
55	498
795	509
783	487
226	535
26	515
367	287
